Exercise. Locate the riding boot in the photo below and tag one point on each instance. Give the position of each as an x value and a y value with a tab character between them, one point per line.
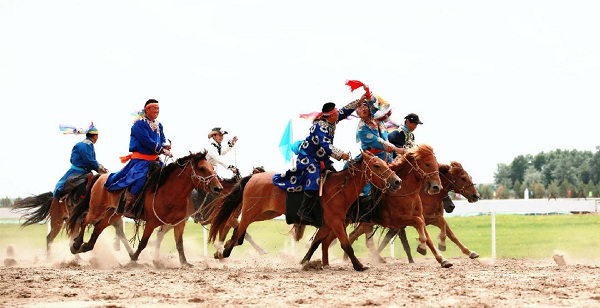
305	210
365	208
448	204
126	202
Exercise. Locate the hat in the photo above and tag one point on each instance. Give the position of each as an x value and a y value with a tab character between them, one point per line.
413	118
216	130
150	101
383	113
328	107
92	129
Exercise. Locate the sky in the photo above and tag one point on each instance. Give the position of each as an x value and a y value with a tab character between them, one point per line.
490	80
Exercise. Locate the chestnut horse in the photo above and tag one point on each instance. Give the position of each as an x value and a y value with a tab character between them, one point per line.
202	205
418	169
261	200
45	207
166	201
454	178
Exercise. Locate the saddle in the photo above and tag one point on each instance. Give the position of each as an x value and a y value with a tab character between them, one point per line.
293	200
75	187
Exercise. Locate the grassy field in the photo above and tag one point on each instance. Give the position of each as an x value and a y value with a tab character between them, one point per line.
517	236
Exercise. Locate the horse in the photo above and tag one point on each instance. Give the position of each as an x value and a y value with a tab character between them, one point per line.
201	205
261	200
454	178
418	169
165	202
44	207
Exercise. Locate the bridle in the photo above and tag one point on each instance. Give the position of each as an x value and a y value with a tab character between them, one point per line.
453	184
368	173
199	181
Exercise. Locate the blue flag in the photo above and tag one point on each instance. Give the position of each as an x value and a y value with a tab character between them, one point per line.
285	145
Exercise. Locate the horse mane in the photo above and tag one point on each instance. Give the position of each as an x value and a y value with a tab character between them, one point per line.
455	164
414	152
444	168
159	175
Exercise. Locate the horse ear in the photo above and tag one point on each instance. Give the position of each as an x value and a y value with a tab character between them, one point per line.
444	168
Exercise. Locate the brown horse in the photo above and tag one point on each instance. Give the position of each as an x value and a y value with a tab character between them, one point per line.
418	169
44	206
166	201
454	178
261	200
202	205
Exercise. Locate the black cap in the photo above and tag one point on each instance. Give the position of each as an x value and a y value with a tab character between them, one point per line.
150	101
328	107
413	118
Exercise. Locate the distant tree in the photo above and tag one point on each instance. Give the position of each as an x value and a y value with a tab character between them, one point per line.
486	191
532	175
538	190
519	189
502	174
5	202
553	190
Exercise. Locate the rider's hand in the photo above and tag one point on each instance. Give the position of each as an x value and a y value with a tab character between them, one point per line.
167	152
345	156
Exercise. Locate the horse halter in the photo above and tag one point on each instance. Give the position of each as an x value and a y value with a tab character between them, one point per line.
368	174
453	183
419	170
204	181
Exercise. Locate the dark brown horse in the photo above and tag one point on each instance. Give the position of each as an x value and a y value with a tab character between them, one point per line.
166	201
261	200
418	169
202	205
56	211
454	178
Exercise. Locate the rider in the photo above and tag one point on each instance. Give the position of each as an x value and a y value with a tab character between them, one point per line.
147	141
83	161
404	136
314	156
215	149
373	136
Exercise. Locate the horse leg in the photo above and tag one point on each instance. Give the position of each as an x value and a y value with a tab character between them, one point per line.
237	237
325	244
148	229
58	214
340	232
425	239
160	235
221	242
463	248
355	234
405	244
98	228
369	232
178	232
256	247
318	238
120	236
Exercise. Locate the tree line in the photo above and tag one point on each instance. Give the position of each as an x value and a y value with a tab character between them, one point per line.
556	174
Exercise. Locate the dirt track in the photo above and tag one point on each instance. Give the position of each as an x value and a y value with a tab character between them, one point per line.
276	279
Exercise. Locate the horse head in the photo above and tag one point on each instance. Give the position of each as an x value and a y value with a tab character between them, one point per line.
422	160
379	174
455	178
202	172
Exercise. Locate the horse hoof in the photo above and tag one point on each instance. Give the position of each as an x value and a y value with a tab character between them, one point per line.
442	247
422	251
262	252
446	264
361	269
186	265
473	255
218	255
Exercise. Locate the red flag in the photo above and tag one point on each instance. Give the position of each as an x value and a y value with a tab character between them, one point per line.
355	84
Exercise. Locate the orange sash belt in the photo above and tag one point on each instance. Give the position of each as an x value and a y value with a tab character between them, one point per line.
138	155
374	151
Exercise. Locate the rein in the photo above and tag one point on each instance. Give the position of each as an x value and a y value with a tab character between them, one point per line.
420	171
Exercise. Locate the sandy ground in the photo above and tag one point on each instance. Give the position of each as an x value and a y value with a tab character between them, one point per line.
105	278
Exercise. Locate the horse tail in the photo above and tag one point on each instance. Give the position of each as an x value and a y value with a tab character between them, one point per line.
297	231
81	207
40	205
232	202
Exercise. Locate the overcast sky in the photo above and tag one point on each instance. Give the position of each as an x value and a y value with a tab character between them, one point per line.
490	79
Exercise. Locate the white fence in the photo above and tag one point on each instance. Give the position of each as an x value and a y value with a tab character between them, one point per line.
522	206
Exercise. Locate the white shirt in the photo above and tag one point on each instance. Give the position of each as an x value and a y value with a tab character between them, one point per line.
214	155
